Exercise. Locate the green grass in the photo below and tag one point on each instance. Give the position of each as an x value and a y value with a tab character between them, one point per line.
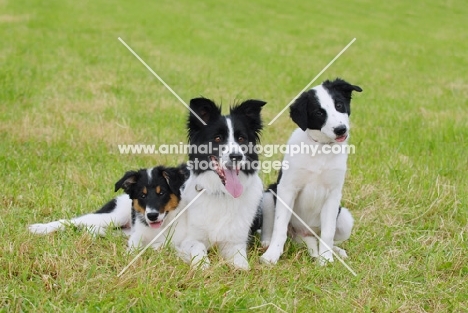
70	92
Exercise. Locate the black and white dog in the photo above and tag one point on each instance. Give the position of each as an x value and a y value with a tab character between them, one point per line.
151	197
225	211
222	162
312	185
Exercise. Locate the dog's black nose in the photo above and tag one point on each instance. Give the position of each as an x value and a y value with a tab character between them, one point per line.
235	156
340	130
152	216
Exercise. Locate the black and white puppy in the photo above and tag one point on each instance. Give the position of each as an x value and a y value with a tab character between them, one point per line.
225	168
222	162
312	185
151	195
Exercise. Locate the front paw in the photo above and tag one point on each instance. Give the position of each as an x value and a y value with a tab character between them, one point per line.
271	256
341	252
157	245
241	263
202	263
132	249
265	243
325	258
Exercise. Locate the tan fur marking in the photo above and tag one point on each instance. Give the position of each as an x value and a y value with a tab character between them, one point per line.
138	207
145	191
158	189
172	204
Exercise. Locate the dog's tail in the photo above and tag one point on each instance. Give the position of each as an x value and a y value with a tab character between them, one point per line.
116	213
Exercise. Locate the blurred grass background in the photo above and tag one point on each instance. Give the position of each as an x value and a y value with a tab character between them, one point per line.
70	92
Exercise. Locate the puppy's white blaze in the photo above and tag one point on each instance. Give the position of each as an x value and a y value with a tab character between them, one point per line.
324	98
232	144
148	171
334	118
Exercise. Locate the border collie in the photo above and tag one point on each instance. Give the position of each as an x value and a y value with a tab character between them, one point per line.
225	167
222	161
312	185
151	195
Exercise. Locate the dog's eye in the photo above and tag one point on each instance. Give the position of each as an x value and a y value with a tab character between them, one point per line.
319	113
162	193
241	139
142	196
217	139
339	105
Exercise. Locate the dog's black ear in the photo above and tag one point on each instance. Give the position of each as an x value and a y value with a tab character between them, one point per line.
184	171
299	110
175	178
250	109
342	86
127	181
202	109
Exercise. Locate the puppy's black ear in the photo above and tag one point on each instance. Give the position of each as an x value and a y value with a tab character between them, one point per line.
250	109
202	109
184	171
175	178
127	181
299	110
342	86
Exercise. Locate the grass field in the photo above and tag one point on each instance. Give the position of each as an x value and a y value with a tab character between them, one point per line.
70	92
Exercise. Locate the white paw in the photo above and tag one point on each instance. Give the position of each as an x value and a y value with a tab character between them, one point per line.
241	263
132	249
42	229
96	231
341	252
313	252
157	245
325	258
265	243
271	256
202	263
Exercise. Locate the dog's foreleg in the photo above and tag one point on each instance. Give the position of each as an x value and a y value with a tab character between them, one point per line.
282	216
195	253
311	242
328	217
236	254
268	218
135	242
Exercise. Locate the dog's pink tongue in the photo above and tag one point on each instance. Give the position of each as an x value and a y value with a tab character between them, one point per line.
233	184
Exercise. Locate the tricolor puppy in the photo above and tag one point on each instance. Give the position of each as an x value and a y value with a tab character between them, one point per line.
151	196
223	166
312	185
